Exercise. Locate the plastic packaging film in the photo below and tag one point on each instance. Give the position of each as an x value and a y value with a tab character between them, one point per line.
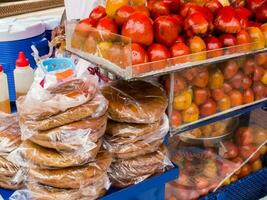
201	172
55	92
93	109
29	154
78	136
9	132
41	192
125	172
135	139
208	165
11	176
135	101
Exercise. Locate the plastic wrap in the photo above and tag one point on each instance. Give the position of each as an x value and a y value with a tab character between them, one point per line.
136	139
9	132
73	177
132	171
206	166
8	173
40	192
77	136
55	90
200	172
29	154
93	109
135	101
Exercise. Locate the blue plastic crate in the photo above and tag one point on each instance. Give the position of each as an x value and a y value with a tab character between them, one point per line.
251	187
150	189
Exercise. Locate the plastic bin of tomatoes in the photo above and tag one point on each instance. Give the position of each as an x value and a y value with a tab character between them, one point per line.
203	92
137	38
211	164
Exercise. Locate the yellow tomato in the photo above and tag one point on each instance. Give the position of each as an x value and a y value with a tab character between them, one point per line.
113	5
183	100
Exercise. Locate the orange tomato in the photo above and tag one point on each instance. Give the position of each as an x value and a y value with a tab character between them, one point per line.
198	48
248	96
176	119
236	98
257	38
191	114
256	165
224	103
183	100
216	79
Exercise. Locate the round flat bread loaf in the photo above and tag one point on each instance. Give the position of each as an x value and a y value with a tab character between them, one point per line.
124	172
50	158
7	168
42	192
94	108
10	138
129	151
6	182
74	136
135	102
56	99
73	177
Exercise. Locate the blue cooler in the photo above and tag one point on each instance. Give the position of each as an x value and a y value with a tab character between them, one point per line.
16	36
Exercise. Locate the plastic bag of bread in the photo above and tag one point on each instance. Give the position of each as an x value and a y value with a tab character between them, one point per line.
55	89
135	101
37	191
126	141
30	154
125	172
76	136
201	171
93	109
9	132
11	175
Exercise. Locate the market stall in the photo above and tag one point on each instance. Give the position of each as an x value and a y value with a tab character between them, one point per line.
156	99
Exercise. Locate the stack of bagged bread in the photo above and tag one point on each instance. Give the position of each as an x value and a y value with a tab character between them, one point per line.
9	141
62	128
135	131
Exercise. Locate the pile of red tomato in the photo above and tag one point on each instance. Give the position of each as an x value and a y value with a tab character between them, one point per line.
163	29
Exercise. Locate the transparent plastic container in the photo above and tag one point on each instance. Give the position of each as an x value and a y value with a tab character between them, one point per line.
203	92
113	53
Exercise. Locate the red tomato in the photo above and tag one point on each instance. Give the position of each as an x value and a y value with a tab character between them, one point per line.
139	28
208	108
228	40
213	43
165	30
179	49
84	27
106	26
261	13
213	5
173	5
158	52
98	13
123	13
138	54
196	23
159	8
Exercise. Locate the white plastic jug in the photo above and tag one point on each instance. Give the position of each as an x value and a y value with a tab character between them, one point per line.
23	75
4	95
